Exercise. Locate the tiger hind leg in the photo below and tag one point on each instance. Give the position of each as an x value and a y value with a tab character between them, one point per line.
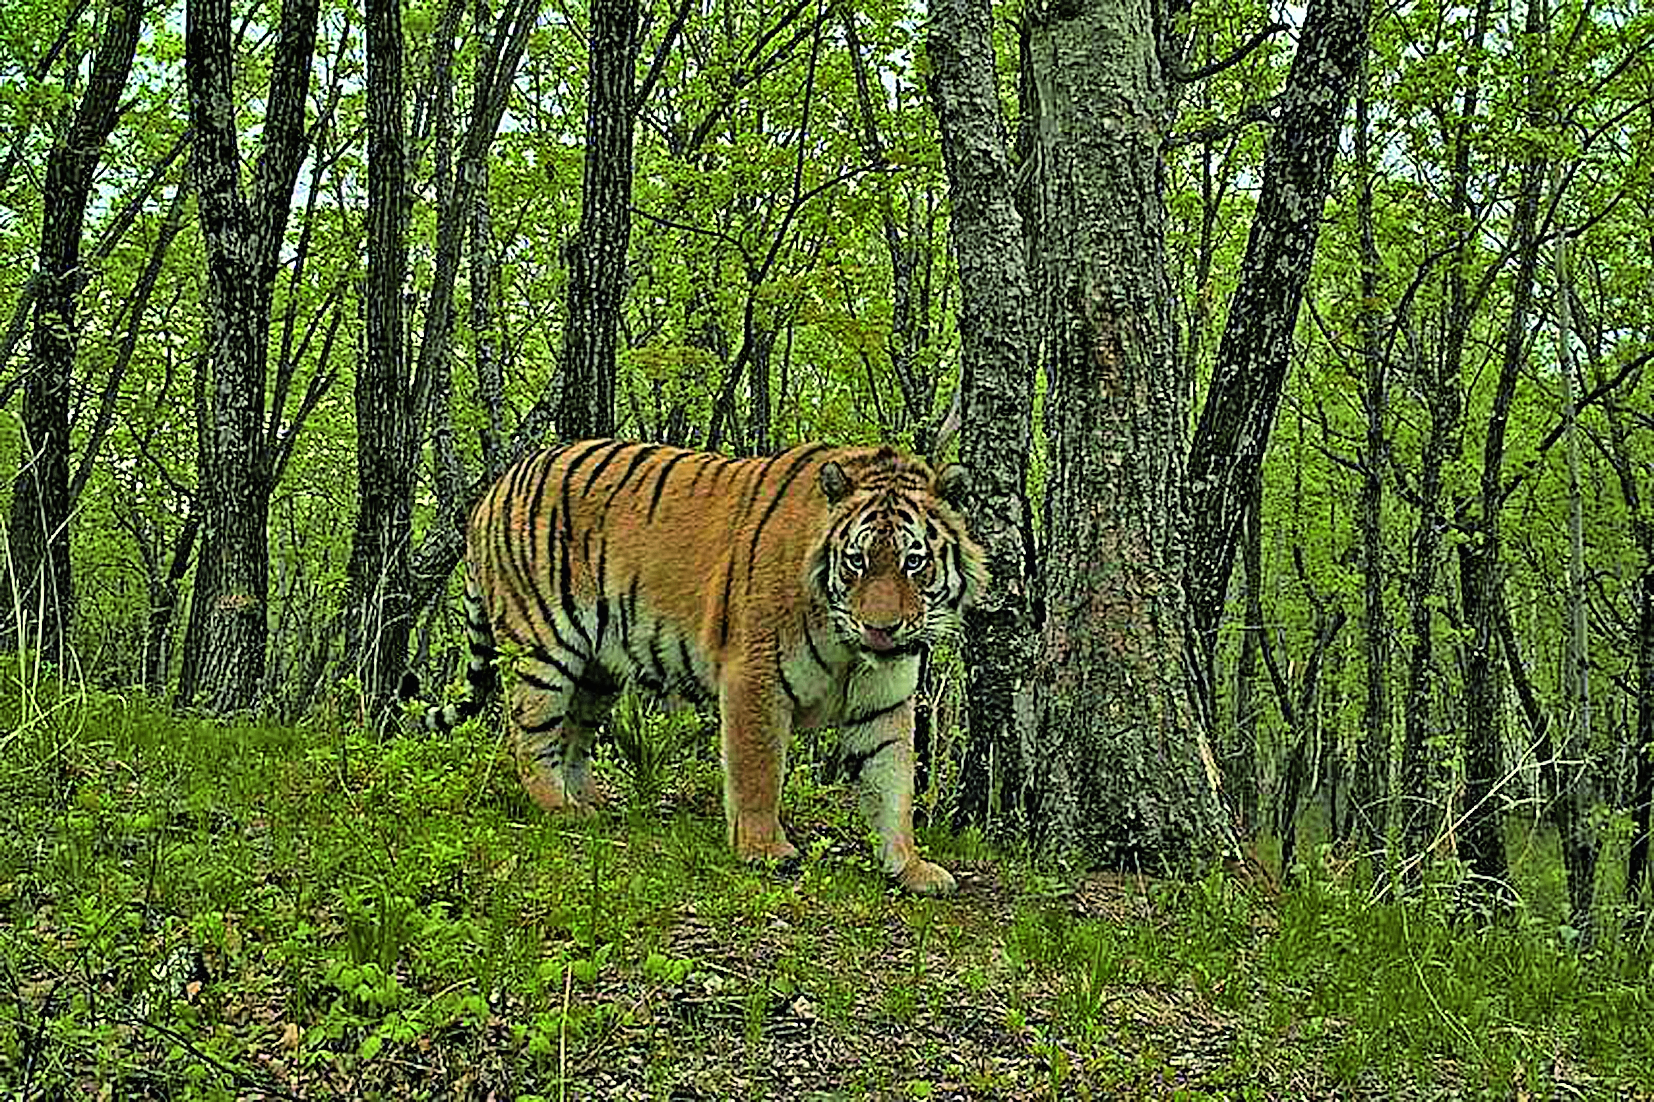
554	718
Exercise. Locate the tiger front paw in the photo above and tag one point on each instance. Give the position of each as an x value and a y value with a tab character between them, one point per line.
548	791
926	878
756	840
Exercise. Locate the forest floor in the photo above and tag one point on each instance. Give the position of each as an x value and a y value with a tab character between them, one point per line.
193	909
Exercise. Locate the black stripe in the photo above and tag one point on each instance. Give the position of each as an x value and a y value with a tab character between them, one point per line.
546	658
535	505
723	619
602	466
775	500
539	728
690	677
657	667
786	686
853	763
879	714
568	482
628	611
758	484
539	682
660	483
570	607
810	642
602	601
631	468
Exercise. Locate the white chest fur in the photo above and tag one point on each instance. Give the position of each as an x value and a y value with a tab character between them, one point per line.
835	683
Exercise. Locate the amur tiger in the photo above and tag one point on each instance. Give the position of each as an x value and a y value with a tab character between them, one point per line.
796	590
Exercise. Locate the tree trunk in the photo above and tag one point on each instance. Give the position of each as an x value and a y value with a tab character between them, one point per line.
243	240
597	257
1241	766
480	257
1572	802
377	602
1481	573
1124	776
1253	353
1424	798
38	528
996	362
1370	800
1636	866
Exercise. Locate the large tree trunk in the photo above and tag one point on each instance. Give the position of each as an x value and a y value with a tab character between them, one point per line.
1125	777
377	604
996	362
38	529
243	244
597	256
1253	353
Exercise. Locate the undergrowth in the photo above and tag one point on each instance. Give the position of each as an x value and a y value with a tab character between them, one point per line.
201	909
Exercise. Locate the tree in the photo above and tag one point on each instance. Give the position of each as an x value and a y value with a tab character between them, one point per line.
996	362
243	237
1253	354
597	257
379	611
38	528
1125	776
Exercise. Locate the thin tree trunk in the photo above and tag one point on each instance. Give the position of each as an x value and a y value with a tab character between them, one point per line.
996	362
1637	864
1370	800
1423	791
1572	801
1253	354
38	528
1124	776
1241	772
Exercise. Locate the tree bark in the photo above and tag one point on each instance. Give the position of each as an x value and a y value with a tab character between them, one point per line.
377	597
1572	801
1372	772
1241	767
1481	577
1125	778
996	363
1235	421
38	528
1424	798
243	238
597	256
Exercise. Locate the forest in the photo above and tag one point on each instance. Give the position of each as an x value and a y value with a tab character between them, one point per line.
1300	745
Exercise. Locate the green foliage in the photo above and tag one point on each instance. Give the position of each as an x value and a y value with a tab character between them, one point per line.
205	908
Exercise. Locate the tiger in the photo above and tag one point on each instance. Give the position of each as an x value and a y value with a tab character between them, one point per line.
797	591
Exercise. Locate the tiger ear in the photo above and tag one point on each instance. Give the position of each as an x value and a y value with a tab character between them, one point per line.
834	482
953	484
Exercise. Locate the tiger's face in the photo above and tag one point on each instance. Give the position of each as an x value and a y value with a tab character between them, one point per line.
896	567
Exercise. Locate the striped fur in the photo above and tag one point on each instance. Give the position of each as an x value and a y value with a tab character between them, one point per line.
795	590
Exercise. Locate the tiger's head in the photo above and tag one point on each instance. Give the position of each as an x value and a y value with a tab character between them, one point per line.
895	566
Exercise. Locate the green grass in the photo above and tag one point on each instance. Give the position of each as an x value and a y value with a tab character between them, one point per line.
193	909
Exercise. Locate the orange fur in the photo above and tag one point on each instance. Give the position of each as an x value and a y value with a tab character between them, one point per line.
795	590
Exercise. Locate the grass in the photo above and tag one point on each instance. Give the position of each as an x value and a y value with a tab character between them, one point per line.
196	909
